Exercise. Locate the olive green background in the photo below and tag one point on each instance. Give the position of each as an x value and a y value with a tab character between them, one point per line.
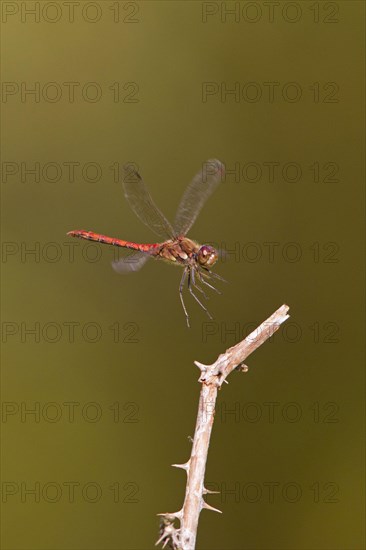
311	376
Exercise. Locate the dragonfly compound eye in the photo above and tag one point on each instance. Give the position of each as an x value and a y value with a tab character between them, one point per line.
207	256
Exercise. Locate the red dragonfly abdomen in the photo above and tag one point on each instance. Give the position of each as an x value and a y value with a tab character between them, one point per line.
90	236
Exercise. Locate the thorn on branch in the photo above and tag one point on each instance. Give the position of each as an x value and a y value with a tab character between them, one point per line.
209	492
171	515
201	366
208	507
182	466
169	534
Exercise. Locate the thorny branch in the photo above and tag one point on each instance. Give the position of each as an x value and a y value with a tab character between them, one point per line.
212	377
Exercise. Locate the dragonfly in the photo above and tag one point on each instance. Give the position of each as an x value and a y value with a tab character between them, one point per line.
176	248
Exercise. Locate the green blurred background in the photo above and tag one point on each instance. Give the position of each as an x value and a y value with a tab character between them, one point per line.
109	369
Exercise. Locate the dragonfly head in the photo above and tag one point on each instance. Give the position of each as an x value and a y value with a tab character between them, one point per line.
207	256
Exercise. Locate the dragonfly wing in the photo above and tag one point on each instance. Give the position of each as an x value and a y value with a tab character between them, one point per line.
196	194
132	262
142	204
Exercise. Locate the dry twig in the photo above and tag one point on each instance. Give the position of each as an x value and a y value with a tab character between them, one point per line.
212	377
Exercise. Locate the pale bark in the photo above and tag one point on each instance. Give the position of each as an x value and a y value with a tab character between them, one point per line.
212	377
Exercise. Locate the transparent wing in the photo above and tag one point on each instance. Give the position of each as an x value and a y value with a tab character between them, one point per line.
196	194
142	204
132	262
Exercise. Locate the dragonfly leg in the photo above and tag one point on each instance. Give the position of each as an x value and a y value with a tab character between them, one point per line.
202	280
195	297
196	286
209	274
182	281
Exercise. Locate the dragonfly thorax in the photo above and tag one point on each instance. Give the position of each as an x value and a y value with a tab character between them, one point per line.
207	256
